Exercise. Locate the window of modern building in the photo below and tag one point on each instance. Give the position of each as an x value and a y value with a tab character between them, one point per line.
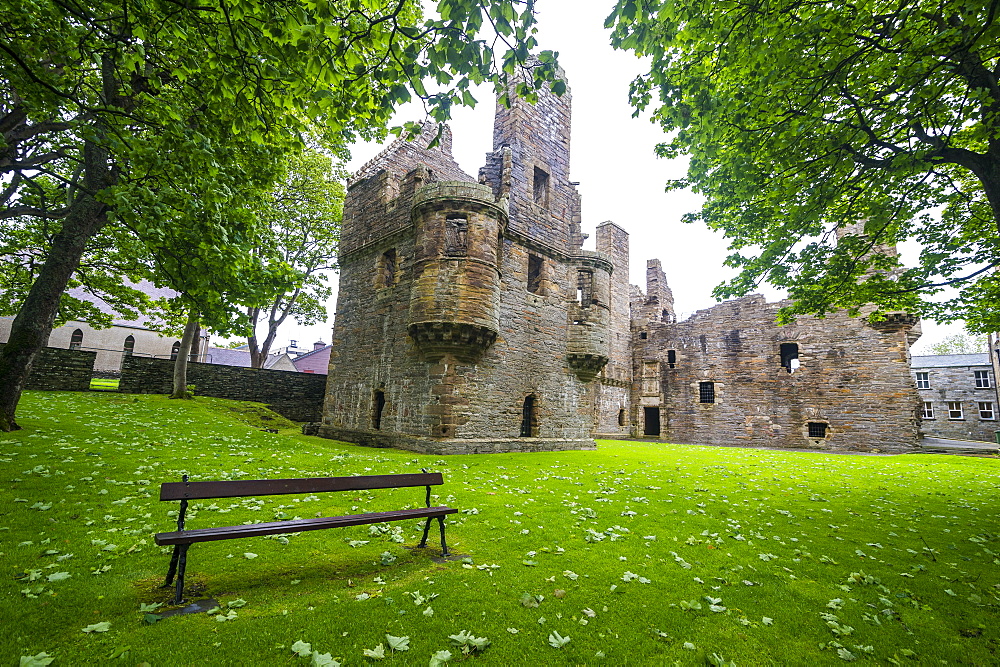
928	410
817	429
706	392
534	274
129	347
982	379
923	380
955	410
986	410
76	340
540	187
175	350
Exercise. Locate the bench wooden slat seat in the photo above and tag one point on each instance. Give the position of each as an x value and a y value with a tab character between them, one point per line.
186	491
296	525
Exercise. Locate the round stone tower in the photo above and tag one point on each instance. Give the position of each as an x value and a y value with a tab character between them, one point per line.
588	345
455	299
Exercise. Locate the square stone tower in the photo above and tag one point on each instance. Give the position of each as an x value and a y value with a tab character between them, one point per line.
469	319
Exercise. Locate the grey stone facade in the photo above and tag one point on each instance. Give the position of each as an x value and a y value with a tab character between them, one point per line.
470	319
958	396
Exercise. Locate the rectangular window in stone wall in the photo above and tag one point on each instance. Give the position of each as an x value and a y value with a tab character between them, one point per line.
706	392
923	381
387	268
456	241
955	410
986	410
540	187
982	379
534	274
817	429
928	410
584	287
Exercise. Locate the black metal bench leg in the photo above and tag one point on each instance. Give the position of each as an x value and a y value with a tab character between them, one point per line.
181	566
172	569
444	545
427	529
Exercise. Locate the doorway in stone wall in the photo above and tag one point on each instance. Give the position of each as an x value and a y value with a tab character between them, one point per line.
378	404
529	417
651	417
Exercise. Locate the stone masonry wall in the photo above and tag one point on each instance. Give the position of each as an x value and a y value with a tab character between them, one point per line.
297	396
57	369
852	377
957	384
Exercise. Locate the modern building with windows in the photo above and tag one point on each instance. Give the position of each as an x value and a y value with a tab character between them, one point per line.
125	337
958	396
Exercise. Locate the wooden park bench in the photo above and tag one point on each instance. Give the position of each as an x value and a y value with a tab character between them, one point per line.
186	491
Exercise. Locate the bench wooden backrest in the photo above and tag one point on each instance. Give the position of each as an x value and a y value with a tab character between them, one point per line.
275	487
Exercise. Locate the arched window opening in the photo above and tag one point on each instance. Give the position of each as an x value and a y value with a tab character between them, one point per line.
129	347
378	404
175	349
76	340
622	416
529	417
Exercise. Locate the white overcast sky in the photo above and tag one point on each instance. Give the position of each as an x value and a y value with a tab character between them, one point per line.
612	157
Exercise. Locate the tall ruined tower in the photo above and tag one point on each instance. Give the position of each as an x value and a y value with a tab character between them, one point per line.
469	319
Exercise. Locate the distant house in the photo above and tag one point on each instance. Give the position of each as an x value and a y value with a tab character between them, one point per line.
123	338
317	361
958	396
240	357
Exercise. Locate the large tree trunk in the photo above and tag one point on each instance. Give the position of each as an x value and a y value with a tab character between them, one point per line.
31	328
181	362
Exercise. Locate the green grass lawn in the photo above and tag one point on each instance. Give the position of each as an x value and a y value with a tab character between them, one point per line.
638	553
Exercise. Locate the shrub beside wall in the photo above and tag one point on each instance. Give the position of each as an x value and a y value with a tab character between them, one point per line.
297	396
58	369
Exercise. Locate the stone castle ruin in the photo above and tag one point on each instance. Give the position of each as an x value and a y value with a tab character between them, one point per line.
470	319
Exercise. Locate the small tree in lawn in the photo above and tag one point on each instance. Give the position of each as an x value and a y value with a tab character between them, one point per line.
301	216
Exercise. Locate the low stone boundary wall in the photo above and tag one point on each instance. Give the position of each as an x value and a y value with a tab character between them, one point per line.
297	396
58	369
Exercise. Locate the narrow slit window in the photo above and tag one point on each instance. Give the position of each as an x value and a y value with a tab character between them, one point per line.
585	287
672	358
534	274
706	392
388	268
790	356
456	234
76	340
817	429
129	347
540	187
928	410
